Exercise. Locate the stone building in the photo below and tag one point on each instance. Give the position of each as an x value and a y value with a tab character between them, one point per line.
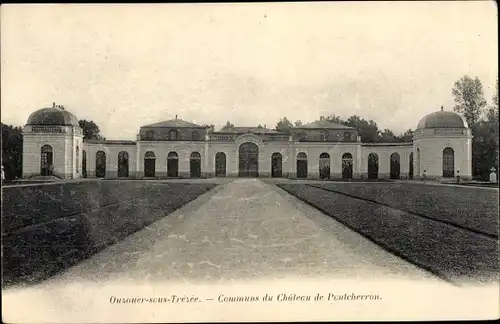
54	146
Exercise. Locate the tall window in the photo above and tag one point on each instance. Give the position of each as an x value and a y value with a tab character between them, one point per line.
347	136
347	172
172	165
372	166
100	164
220	164
84	163
46	165
149	164
324	166
302	165
448	163
123	164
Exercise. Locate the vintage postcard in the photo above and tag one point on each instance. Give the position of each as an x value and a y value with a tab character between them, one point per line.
321	161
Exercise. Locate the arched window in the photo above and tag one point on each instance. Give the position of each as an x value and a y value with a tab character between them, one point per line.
84	163
46	161
302	165
276	165
372	166
448	163
172	135
149	164
220	164
195	165
324	166
347	136
172	165
248	160
100	164
395	166
123	164
195	136
347	166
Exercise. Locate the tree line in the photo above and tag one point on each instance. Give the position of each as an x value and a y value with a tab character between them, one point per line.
468	95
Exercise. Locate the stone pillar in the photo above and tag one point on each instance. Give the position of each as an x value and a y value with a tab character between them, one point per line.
138	164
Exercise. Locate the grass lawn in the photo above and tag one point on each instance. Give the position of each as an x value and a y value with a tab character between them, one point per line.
49	228
452	253
469	207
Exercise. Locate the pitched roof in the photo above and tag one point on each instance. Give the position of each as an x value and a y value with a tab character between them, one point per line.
324	124
257	130
174	123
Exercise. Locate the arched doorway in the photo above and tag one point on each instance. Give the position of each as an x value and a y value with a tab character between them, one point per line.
100	164
149	164
220	164
448	163
276	165
324	166
122	164
248	160
373	166
195	165
302	165
84	163
47	161
410	174
395	166
172	165
347	166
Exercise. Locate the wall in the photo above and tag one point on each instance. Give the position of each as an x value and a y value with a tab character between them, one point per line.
431	155
287	149
111	151
384	152
32	144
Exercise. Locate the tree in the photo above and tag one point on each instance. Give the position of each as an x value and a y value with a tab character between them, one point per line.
228	125
387	136
12	151
368	130
211	126
334	119
284	125
90	130
469	99
298	123
407	136
492	114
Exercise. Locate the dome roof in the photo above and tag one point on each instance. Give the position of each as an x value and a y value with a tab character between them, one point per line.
442	119
53	116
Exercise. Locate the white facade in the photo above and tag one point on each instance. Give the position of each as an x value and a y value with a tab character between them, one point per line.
72	157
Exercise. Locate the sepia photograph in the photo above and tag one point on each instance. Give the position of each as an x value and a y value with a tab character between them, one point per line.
263	162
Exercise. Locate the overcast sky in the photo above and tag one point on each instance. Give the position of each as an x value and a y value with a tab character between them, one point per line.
124	66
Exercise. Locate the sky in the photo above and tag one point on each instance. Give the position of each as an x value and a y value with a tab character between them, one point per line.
125	66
